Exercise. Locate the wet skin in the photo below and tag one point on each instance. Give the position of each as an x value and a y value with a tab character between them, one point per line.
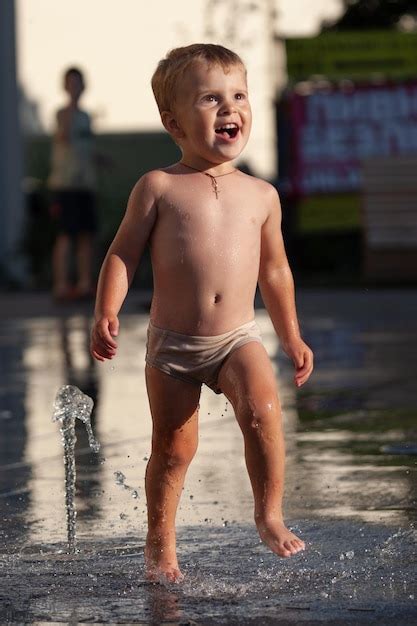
208	253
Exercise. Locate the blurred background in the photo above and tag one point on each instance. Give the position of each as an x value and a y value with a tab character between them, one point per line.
333	86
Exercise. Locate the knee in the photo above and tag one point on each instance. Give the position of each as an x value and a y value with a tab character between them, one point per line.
175	451
259	416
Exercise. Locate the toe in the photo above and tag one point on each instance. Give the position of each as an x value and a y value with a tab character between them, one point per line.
176	576
288	545
151	577
283	550
288	548
179	576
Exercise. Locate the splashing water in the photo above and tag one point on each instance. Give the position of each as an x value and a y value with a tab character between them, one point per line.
120	479
71	403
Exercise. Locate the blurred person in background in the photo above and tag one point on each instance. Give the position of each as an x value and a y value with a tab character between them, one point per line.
72	182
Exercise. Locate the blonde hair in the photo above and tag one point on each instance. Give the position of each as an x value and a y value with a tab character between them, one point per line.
177	62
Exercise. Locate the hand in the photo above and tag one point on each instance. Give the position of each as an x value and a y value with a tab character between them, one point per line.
103	346
302	357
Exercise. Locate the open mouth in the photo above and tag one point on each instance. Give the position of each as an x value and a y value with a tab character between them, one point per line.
229	131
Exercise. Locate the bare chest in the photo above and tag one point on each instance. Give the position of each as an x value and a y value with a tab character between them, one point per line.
196	216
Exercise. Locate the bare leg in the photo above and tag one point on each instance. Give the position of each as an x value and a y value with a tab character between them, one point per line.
84	263
60	266
174	409
248	381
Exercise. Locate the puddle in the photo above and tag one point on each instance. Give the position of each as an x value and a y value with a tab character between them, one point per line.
226	570
350	486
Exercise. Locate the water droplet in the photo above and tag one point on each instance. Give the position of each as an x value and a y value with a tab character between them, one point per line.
119	478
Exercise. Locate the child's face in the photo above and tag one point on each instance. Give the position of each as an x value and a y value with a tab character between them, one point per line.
74	85
213	113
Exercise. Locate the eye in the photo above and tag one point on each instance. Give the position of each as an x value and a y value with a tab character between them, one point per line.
210	98
240	96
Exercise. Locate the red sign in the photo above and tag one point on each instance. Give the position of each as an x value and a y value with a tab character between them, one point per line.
334	130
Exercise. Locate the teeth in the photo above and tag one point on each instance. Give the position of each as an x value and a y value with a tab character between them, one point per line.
226	126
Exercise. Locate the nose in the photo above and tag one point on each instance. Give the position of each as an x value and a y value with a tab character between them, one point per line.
228	106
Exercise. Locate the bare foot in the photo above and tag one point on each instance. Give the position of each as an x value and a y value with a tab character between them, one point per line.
278	538
161	561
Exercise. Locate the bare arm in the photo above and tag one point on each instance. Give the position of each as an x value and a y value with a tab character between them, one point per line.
63	124
120	265
277	288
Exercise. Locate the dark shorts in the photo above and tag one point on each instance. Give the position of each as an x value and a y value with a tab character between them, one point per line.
74	212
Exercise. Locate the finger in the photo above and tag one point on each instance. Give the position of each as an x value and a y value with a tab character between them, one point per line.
105	351
97	356
114	327
98	345
307	361
300	382
303	374
107	339
300	379
298	360
102	354
300	364
103	332
101	347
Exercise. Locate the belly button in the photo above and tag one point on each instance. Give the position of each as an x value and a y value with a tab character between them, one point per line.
217	298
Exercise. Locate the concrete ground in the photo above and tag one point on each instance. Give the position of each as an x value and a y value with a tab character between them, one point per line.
351	438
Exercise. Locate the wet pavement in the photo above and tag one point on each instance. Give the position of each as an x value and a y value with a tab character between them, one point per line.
350	488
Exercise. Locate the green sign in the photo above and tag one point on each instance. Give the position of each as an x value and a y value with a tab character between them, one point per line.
355	55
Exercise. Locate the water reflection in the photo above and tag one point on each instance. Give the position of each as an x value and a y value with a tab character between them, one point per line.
162	604
14	475
344	470
360	409
340	430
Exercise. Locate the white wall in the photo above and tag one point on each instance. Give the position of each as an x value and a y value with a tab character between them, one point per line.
119	42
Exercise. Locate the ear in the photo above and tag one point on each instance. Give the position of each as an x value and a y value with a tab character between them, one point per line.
171	125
